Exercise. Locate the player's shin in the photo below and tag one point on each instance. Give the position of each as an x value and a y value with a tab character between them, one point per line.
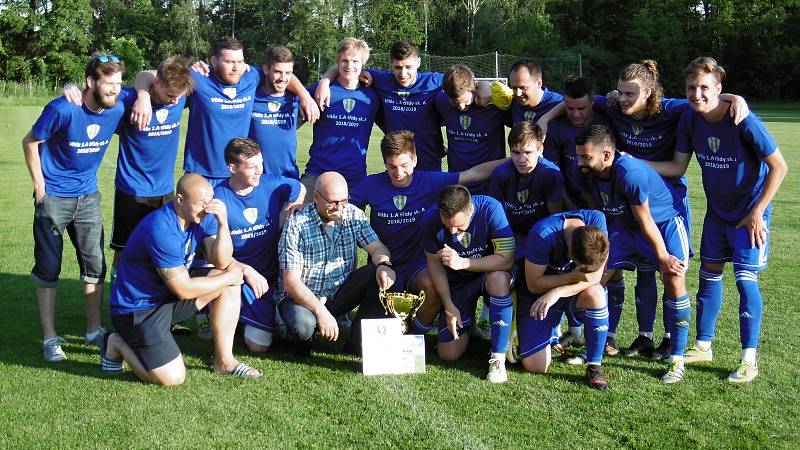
501	313
679	314
646	293
709	303
595	323
750	307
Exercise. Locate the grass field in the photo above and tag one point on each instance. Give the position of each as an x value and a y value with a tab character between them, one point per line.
326	403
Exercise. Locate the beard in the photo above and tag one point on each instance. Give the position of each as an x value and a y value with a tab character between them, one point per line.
105	101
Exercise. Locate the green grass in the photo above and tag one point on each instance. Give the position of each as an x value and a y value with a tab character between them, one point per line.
327	403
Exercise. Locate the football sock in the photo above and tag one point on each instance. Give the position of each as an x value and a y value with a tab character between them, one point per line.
749	355
501	313
576	331
595	321
679	314
646	300
703	346
616	297
749	307
709	303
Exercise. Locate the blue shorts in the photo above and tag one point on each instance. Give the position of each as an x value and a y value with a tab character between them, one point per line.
406	272
534	335
632	251
681	186
723	242
258	313
465	297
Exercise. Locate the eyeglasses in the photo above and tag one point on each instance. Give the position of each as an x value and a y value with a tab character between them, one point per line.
336	203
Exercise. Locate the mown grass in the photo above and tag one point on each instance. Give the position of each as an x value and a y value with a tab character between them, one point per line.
326	402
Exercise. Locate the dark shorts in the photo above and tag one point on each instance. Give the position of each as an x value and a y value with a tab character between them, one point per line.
82	218
148	333
129	210
465	298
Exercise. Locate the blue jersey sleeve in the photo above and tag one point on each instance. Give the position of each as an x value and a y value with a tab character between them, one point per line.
757	138
360	195
555	189
431	227
165	252
500	229
381	79
48	123
537	249
683	141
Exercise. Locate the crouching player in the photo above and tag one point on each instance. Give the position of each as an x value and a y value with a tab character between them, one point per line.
469	247
566	255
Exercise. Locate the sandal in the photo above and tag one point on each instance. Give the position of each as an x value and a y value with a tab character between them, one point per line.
242	370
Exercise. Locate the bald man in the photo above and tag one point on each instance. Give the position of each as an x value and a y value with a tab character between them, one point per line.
317	254
154	288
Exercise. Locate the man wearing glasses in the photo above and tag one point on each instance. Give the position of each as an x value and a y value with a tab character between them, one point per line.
63	151
317	254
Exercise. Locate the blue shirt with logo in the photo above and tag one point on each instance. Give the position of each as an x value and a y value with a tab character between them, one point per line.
273	125
549	101
547	246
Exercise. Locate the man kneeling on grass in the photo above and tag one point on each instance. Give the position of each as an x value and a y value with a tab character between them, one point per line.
154	288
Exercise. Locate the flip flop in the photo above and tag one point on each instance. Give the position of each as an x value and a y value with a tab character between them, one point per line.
242	370
107	364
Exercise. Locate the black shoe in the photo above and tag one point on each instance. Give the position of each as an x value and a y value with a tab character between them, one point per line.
303	349
641	346
594	377
663	350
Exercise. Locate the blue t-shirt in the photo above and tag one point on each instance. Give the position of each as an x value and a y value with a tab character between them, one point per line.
396	212
632	183
218	112
525	198
546	245
75	140
524	113
474	136
488	233
341	135
731	159
146	161
559	147
412	109
274	126
254	220
158	242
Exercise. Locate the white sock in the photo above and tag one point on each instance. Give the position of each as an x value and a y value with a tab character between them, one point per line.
749	355
647	334
703	346
577	332
666	335
93	334
675	358
500	356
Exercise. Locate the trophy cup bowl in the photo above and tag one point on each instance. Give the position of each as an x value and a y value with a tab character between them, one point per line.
402	305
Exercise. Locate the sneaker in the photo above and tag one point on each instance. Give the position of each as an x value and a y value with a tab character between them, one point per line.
497	371
203	327
52	349
594	377
641	346
744	373
570	340
674	373
576	360
611	348
481	330
664	350
695	355
94	338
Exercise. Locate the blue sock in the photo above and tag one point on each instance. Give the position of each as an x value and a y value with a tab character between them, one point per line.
679	314
418	327
749	307
646	300
501	313
595	332
616	297
709	303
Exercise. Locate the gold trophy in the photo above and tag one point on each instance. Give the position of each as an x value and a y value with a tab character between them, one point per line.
402	305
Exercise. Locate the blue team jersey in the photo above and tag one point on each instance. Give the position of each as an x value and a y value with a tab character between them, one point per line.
413	109
146	161
525	198
632	182
474	136
488	233
526	114
274	126
396	212
218	112
731	159
254	220
158	242
75	140
650	138
546	245
559	148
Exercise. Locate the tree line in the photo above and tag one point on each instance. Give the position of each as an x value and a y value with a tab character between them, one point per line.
49	40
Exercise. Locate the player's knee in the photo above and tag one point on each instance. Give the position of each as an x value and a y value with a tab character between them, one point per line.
592	297
304	327
171	374
257	340
498	283
536	365
451	351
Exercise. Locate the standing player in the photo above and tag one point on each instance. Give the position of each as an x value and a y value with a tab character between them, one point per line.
469	246
63	152
256	203
566	256
276	115
742	169
645	227
531	101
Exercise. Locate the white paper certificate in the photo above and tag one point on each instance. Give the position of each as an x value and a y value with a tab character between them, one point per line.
386	351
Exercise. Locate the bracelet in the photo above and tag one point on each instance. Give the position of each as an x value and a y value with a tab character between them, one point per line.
384	263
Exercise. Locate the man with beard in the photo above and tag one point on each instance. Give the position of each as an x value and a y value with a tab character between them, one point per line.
63	152
531	99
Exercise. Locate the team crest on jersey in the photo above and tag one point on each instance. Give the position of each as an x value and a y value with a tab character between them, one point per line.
522	196
604	197
403	94
529	116
464	238
637	130
349	104
713	144
161	115
230	92
92	130
465	121
400	201
250	214
273	106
